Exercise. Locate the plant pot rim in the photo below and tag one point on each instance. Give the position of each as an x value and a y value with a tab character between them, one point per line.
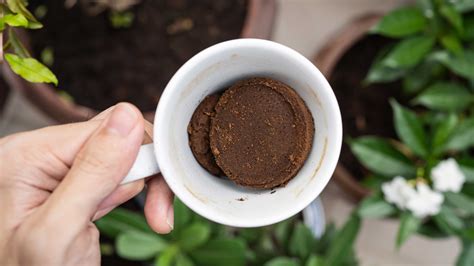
326	60
258	23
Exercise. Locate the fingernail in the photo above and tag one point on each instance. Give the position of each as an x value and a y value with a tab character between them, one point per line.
122	120
170	217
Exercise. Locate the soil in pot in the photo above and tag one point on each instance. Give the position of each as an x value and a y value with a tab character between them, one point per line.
4	91
100	65
365	109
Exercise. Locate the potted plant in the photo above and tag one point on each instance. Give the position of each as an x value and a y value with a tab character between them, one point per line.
363	94
15	15
422	171
197	241
104	52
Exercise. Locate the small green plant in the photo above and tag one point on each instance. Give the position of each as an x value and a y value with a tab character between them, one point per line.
197	241
14	14
433	54
426	177
122	19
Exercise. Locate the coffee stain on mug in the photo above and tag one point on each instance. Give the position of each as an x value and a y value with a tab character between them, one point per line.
318	102
199	197
315	172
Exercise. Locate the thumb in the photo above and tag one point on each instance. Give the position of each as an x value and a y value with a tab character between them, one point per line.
100	165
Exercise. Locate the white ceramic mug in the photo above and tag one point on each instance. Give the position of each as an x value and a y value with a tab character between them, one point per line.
219	199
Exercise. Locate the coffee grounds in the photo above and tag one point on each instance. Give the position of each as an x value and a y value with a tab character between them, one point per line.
198	130
261	133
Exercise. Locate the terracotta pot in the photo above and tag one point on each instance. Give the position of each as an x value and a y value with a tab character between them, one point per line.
326	59
258	24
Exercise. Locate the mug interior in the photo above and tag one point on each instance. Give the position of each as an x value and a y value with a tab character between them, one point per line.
215	69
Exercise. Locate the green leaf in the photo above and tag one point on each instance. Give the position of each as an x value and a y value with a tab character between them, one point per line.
323	244
182	215
229	252
467	167
342	246
375	207
462	65
452	16
302	241
183	260
427	6
194	236
121	220
380	157
282	261
15	20
123	19
461	202
167	257
463	5
380	73
315	260
462	138
409	52
282	232
468	34
136	245
372	181
432	230
466	258
250	235
442	132
468	233
47	56
410	129
452	44
20	8
448	221
265	245
16	44
417	78
401	22
408	225
445	96
468	190
30	69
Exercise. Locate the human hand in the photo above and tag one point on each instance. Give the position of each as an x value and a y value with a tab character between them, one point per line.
54	182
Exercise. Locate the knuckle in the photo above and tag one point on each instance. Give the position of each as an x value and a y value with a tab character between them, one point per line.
13	154
91	164
13	142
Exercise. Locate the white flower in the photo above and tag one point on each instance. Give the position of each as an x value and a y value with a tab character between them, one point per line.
421	201
398	192
447	176
425	202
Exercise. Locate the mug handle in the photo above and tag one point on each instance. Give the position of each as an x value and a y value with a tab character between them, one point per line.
145	164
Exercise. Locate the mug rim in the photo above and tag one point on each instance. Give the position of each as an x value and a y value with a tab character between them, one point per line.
163	107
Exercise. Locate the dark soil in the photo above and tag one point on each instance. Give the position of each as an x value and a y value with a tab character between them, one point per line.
365	110
4	90
99	65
